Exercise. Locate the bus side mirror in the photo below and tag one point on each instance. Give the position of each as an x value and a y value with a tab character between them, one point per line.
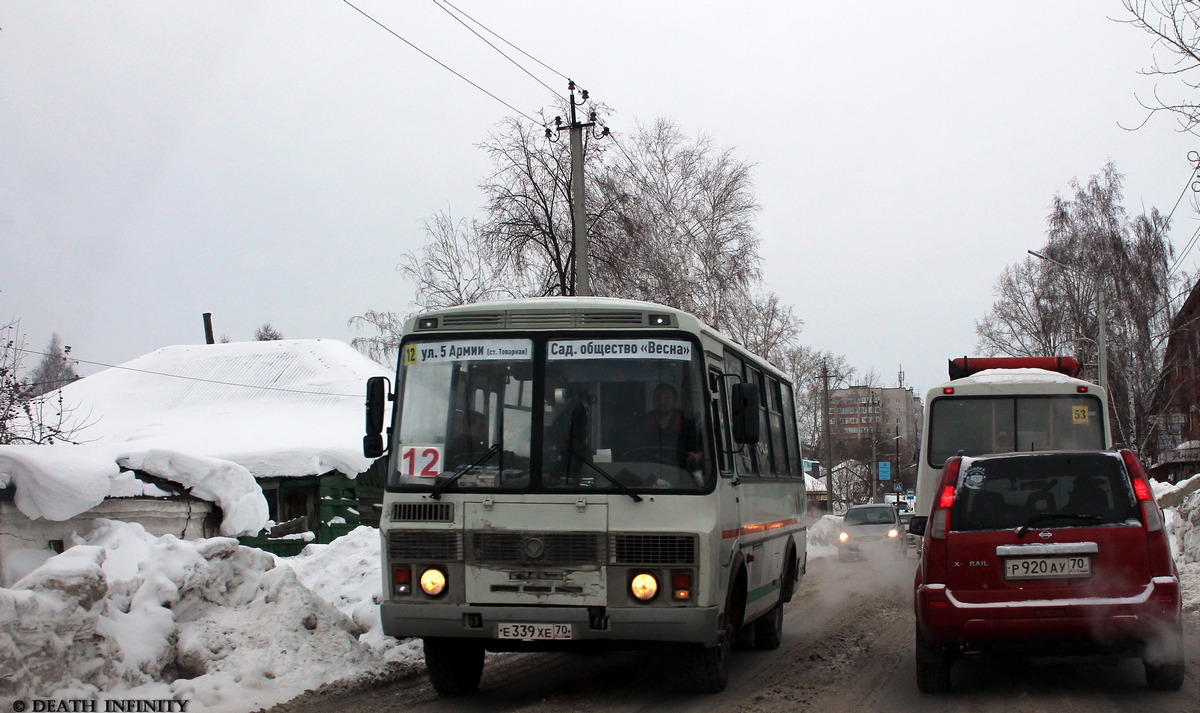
916	526
376	401
744	396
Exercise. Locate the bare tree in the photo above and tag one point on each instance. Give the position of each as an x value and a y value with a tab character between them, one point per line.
685	211
267	333
529	204
54	370
458	266
1044	309
1174	26
26	417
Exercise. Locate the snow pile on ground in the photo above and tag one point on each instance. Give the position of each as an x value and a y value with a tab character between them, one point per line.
1183	523
822	536
60	482
348	574
124	614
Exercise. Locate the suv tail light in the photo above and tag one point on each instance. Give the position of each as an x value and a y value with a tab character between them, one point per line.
1161	564
1151	516
939	519
933	562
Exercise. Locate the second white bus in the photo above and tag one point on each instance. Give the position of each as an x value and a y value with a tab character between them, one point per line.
1008	404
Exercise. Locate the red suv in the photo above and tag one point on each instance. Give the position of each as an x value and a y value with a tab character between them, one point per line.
1057	553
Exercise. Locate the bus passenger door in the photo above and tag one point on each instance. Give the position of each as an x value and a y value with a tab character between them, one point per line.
729	521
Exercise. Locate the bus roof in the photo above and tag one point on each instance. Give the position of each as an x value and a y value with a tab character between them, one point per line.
553	313
1032	381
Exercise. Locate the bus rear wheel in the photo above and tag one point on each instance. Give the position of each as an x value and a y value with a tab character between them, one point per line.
768	629
455	665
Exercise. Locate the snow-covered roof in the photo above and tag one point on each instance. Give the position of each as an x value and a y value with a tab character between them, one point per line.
210	417
278	408
60	482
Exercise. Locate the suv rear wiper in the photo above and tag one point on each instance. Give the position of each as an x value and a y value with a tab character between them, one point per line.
1038	517
440	488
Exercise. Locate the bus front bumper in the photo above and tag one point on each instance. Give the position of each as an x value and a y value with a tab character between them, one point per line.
612	624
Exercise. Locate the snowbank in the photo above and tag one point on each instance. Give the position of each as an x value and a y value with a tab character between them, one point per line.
62	481
124	614
348	573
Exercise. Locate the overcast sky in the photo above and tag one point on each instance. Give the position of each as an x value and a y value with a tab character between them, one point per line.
272	161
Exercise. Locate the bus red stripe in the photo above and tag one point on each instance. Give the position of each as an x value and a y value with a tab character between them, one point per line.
757	527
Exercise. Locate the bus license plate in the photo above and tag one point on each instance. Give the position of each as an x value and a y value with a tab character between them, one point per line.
535	632
1047	567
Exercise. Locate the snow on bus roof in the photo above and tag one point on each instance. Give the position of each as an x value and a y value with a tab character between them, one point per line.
1017	376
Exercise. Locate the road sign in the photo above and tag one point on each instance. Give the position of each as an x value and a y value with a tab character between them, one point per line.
885	470
897	486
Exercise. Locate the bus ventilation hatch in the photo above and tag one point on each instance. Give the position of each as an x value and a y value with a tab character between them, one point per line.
423	512
425	545
654	549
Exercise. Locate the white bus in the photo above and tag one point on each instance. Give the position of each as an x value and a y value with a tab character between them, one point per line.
579	473
1008	404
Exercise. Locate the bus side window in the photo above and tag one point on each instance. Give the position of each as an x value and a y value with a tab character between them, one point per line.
720	423
765	464
744	459
775	423
789	425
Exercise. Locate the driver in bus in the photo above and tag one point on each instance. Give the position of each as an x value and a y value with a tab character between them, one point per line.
470	440
665	427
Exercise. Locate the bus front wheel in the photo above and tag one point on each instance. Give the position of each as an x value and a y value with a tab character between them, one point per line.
455	665
709	666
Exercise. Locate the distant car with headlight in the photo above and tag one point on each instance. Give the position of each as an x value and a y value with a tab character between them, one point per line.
869	530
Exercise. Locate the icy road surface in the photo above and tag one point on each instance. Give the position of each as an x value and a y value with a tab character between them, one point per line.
847	647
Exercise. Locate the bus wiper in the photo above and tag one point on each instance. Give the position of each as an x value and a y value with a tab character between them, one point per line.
1042	516
440	488
620	486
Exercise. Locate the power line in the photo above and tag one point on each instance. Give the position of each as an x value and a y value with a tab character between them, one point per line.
193	378
535	59
498	50
441	64
1183	253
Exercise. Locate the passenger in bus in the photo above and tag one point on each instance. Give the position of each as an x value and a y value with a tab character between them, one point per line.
469	441
667	429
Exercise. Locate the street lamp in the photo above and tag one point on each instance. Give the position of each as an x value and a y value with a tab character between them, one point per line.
1102	341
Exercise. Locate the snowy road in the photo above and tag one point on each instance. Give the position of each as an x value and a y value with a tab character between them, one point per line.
847	647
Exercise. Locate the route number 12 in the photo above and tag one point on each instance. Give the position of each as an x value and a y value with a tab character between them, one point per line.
421	461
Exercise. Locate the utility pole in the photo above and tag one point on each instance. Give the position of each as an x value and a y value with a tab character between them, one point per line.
828	433
578	213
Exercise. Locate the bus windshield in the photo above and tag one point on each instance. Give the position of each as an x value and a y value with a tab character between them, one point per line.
612	414
465	405
625	411
981	425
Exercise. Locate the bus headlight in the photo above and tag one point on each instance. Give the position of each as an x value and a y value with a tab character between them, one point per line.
433	581
643	586
843	536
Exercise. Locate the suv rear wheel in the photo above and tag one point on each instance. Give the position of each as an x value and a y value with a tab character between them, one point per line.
1164	672
933	668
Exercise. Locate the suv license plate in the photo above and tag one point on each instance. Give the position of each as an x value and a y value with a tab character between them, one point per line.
535	632
1047	567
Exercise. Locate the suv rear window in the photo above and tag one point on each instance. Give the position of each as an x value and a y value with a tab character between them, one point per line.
1046	489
